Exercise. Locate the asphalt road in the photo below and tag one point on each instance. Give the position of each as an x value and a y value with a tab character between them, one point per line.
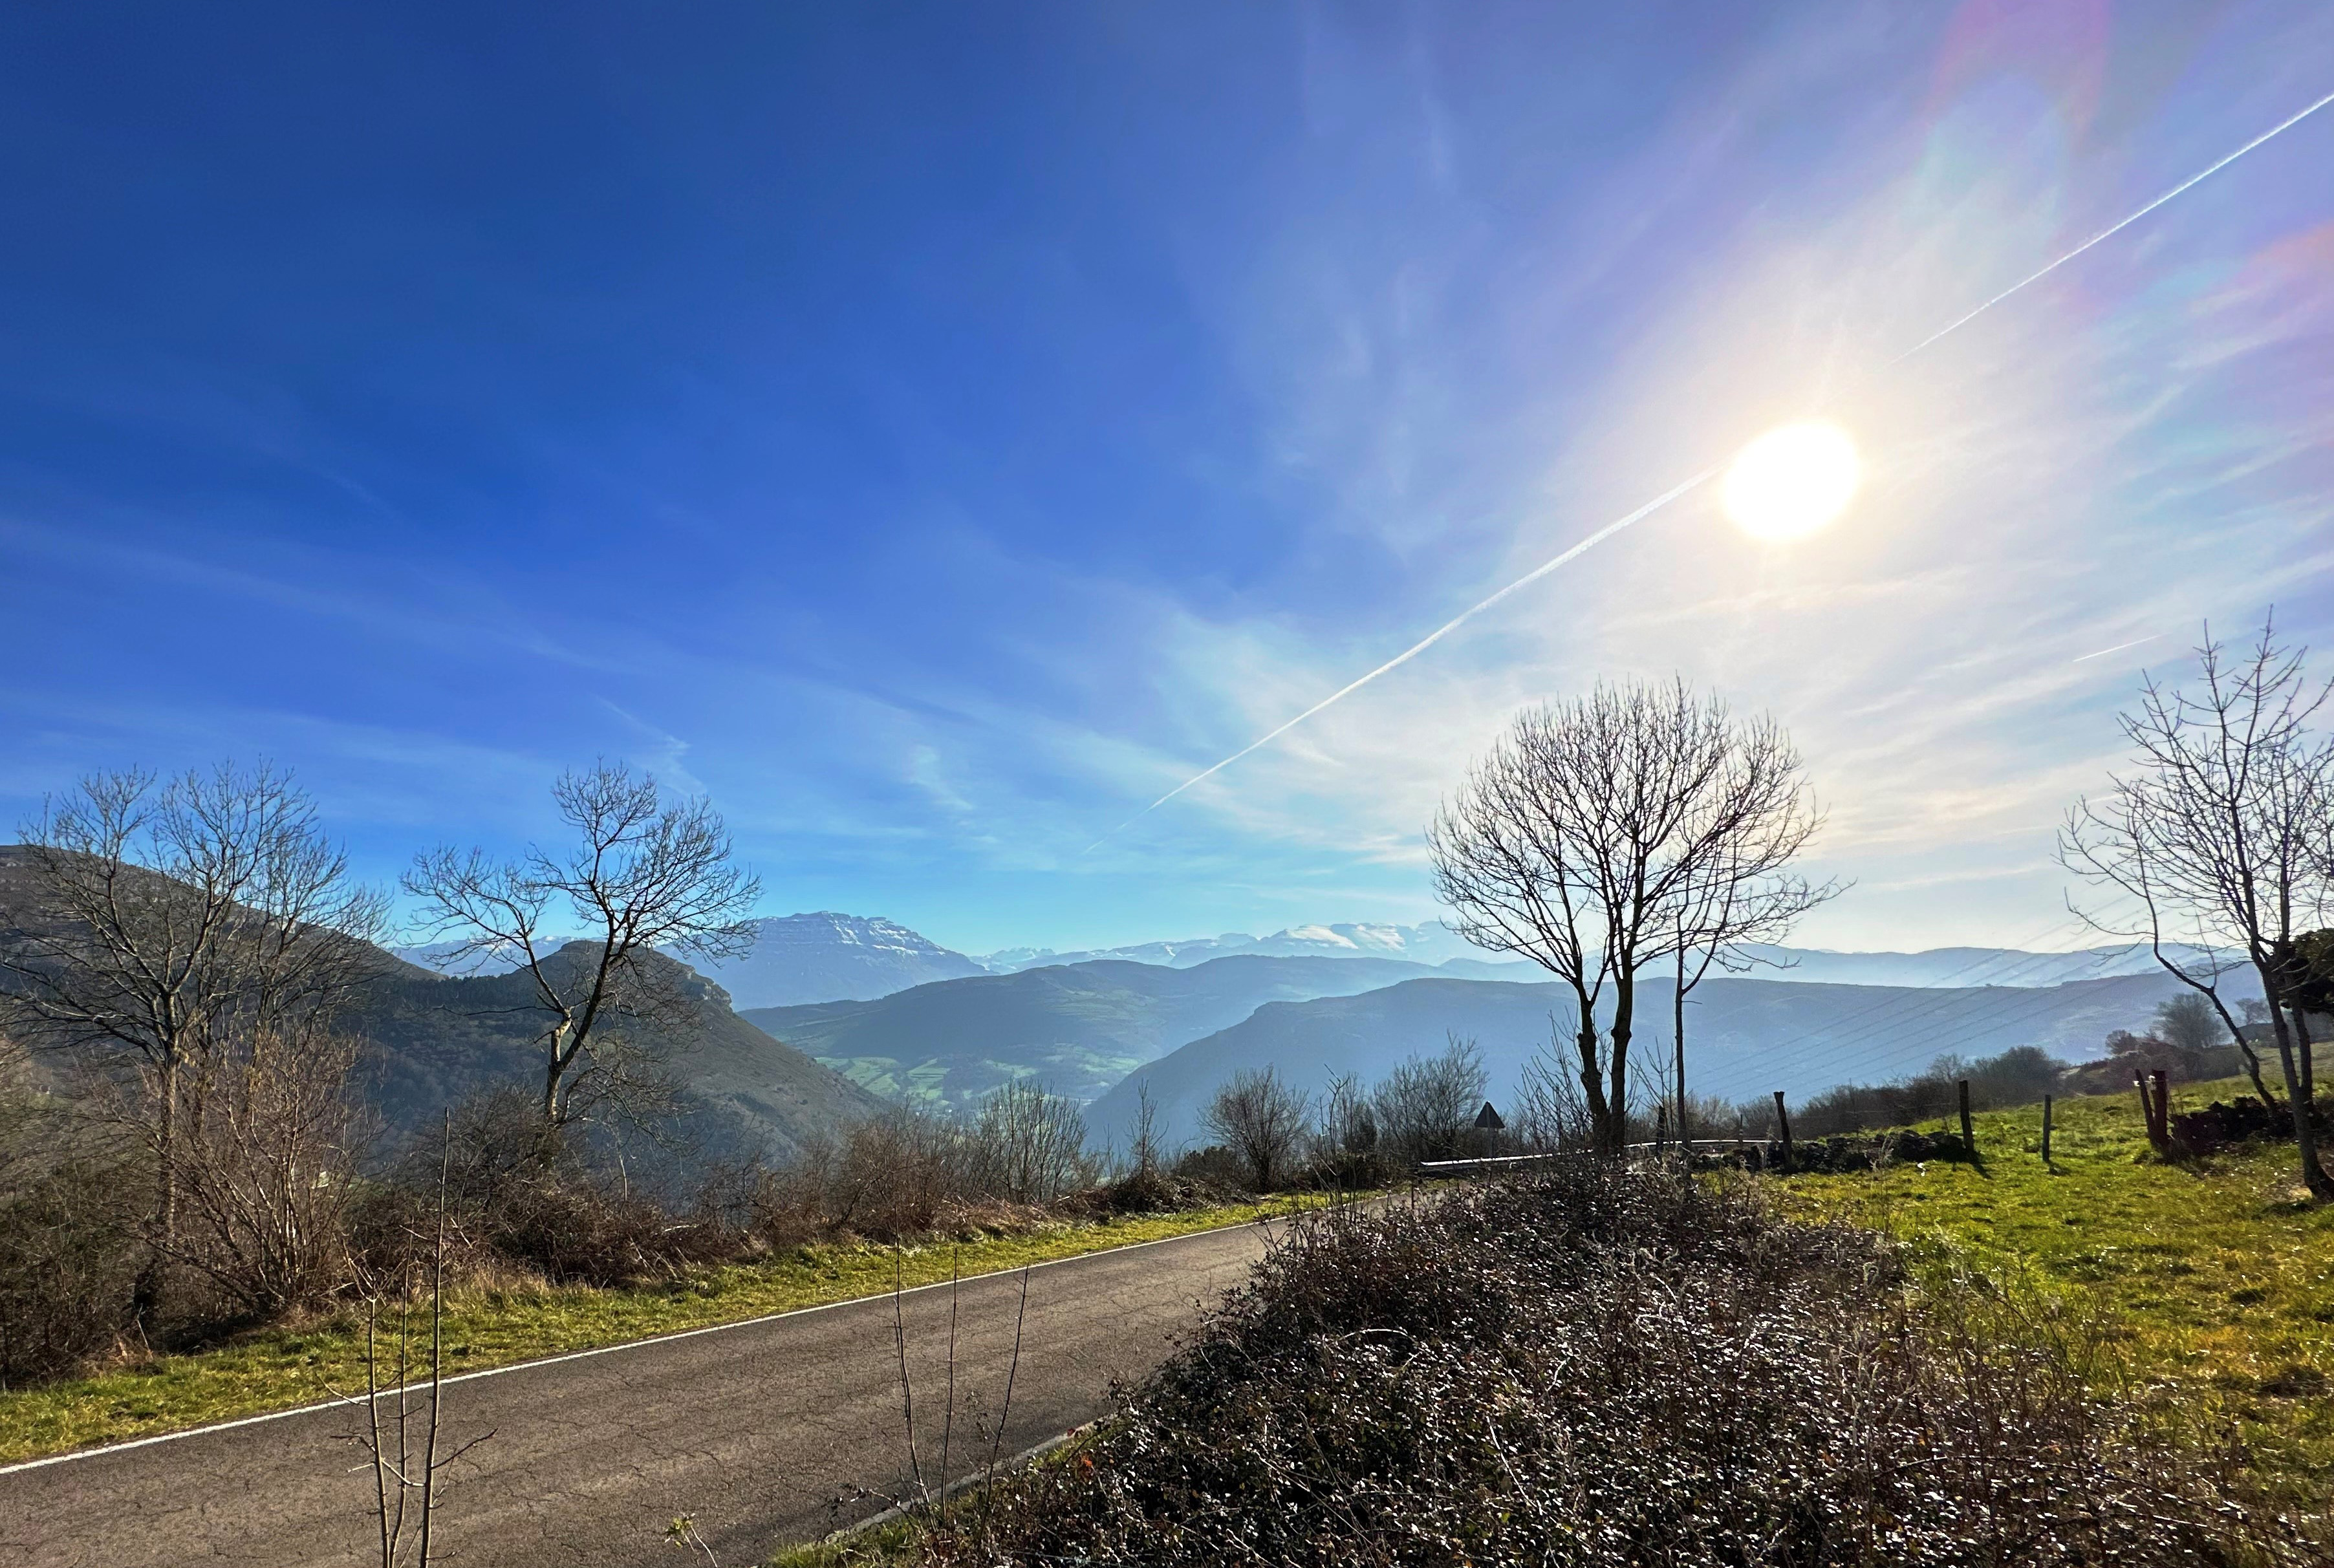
767	1433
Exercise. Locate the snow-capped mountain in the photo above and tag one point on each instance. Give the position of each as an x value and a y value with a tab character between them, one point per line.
796	958
1432	943
831	957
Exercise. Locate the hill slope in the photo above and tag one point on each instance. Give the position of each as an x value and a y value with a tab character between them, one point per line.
438	1041
432	1041
1077	1028
1744	1037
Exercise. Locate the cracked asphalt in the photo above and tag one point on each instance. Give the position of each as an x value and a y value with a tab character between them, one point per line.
767	1434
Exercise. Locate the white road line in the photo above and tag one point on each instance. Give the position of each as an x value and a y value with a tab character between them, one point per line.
23	1465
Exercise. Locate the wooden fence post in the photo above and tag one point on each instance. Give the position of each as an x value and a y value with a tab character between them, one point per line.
2156	1103
2046	1129
1783	1121
1969	1133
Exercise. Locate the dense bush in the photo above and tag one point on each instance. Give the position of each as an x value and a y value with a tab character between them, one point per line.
1600	1370
910	1171
2019	1077
70	1250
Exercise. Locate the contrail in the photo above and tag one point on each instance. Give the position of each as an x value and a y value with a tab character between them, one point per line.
2189	184
2118	648
1650	508
1424	643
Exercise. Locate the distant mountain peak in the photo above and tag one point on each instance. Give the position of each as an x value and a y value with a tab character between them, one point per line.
827	955
1430	943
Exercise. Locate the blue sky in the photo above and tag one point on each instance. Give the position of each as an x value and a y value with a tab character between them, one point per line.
935	431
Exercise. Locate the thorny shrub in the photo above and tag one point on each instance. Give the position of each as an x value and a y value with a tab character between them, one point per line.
1590	1370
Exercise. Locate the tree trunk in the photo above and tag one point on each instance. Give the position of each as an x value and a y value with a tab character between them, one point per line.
555	1079
1592	1087
2305	1121
2308	1066
1677	1039
1625	1007
2253	1072
145	1292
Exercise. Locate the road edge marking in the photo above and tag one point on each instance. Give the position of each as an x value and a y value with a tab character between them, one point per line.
1264	1221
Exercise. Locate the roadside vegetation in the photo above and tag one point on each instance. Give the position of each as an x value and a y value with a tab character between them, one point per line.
1592	1366
2115	1354
2207	1285
321	1356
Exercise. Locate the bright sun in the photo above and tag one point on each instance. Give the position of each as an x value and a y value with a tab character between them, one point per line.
1791	481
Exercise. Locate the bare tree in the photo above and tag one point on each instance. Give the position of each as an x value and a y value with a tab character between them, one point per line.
1550	1115
1029	1146
1144	1151
1261	1119
160	925
2211	833
1426	1105
404	1402
1349	1123
267	1171
1591	837
642	875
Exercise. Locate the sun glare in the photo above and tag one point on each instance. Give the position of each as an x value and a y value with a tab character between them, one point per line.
1791	481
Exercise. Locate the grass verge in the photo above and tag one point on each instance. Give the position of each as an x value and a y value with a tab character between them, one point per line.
284	1368
2210	1287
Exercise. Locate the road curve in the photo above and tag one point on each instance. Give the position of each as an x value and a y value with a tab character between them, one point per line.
767	1433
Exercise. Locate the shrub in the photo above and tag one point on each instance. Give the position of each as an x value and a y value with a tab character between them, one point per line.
1425	1109
1591	1370
1261	1117
70	1251
2019	1077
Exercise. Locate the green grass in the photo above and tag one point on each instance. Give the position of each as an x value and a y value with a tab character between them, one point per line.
281	1368
894	1541
2212	1285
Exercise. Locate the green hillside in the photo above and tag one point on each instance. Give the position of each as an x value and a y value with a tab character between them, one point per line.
2204	1294
1746	1037
1077	1028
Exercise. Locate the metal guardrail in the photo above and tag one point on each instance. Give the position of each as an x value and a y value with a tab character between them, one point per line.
1692	1143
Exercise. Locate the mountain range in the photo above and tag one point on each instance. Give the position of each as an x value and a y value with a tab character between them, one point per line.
827	956
831	957
1432	943
1077	1028
1745	1038
436	1040
824	957
902	1018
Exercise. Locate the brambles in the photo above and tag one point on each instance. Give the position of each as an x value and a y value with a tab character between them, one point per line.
1588	1368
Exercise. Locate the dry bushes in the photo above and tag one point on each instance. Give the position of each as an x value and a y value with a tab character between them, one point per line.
911	1172
70	1208
1591	1370
267	1174
524	1200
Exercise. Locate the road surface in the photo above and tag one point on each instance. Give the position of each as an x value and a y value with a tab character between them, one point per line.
767	1433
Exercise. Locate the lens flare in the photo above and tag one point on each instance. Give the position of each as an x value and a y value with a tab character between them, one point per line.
1792	481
